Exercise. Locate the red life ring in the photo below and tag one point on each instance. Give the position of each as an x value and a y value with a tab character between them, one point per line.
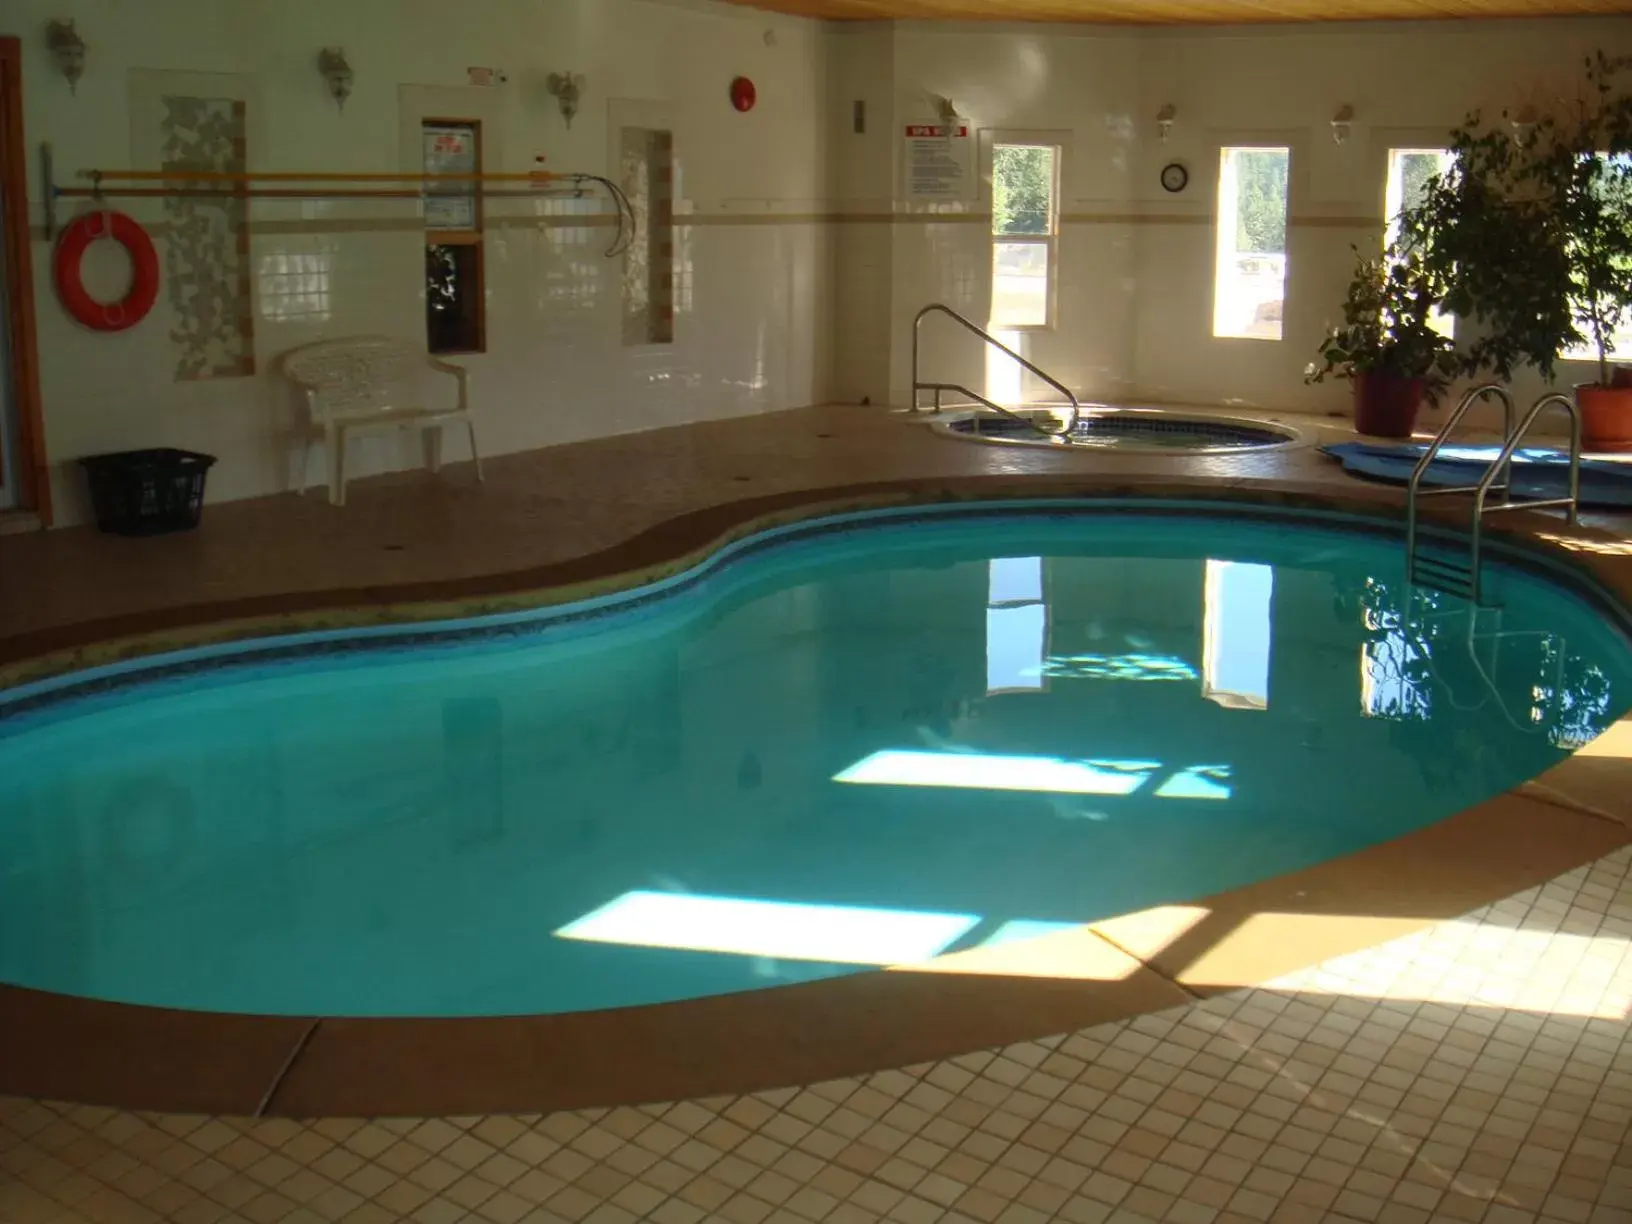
144	271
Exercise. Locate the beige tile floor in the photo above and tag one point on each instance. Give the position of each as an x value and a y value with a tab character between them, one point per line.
1474	1070
1479	1069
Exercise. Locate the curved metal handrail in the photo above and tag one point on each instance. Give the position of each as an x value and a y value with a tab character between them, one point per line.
1412	487
1051	435
1572	502
969	325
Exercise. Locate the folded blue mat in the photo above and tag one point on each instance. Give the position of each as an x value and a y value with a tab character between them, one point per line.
1537	472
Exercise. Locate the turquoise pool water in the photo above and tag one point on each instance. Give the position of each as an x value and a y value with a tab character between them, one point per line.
861	744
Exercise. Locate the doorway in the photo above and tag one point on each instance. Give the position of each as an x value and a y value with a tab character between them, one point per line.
23	482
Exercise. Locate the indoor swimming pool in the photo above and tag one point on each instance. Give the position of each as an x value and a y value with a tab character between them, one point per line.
850	744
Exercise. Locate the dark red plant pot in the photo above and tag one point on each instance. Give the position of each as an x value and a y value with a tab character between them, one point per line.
1385	405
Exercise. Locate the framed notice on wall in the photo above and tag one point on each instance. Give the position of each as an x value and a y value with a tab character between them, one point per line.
451	148
938	161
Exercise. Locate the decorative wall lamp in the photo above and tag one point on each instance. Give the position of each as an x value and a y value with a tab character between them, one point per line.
68	49
337	73
1165	119
1342	124
567	88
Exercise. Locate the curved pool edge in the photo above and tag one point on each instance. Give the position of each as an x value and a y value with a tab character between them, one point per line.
149	1058
689	541
135	1057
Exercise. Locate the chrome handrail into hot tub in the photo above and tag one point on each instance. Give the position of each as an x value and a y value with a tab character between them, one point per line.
1063	434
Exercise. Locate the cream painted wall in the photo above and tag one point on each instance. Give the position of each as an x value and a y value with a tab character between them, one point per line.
1135	263
1408	85
753	310
800	262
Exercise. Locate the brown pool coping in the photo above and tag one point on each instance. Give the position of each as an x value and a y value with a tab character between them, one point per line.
85	1050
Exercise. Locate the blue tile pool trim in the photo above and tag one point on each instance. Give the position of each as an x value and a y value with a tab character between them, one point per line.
103	680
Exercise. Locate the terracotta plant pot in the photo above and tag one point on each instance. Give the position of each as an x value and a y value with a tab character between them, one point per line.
1385	405
1606	416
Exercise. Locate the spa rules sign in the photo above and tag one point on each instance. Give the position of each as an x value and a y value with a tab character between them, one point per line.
937	161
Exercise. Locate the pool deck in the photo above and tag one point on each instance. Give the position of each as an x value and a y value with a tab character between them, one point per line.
1430	1028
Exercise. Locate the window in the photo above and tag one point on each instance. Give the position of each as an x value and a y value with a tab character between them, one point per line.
455	320
1016	625
1408	173
1025	229
1249	284
1617	180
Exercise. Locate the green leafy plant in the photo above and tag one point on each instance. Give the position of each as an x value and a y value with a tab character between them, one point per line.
1022	184
1530	228
1260	221
1388	326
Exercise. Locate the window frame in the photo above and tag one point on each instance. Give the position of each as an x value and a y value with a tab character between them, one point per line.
471	237
1394	202
1265	143
1588	355
1049	241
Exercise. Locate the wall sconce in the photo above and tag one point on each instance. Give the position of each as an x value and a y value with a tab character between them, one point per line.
1342	124
947	111
331	62
1164	120
1524	124
567	87
68	49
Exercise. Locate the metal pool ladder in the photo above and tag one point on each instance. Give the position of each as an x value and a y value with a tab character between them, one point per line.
1447	574
1062	434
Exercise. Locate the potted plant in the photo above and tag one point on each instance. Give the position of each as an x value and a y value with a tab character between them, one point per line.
1387	344
1531	231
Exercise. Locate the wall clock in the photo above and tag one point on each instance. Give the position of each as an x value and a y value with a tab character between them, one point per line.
1174	176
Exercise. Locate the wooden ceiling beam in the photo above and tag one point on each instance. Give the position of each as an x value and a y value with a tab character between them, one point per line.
1184	12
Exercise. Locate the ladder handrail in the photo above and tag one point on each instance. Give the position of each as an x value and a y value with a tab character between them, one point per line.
1008	412
969	325
1572	502
1412	487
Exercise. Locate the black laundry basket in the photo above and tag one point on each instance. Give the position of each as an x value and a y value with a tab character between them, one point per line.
147	492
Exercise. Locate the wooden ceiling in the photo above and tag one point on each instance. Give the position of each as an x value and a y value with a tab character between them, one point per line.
1182	12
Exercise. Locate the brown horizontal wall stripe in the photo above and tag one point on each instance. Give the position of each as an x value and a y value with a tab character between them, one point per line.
413	225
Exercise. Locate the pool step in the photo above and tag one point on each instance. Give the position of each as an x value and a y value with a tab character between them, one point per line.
1443	572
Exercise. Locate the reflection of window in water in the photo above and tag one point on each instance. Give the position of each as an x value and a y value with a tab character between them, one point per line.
970	770
1391	671
1236	634
1016	625
1571	700
1132	666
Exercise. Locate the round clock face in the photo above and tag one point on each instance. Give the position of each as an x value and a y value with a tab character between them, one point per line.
1174	176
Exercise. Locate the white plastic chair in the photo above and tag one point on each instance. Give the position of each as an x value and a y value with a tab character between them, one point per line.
371	384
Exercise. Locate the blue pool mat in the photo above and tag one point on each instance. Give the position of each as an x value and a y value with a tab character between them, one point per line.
1537	472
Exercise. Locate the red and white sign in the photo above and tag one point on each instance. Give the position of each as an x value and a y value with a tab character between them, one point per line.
937	161
485	77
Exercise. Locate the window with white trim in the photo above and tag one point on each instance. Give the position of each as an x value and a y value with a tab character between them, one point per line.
1249	282
1408	173
1620	340
1025	234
